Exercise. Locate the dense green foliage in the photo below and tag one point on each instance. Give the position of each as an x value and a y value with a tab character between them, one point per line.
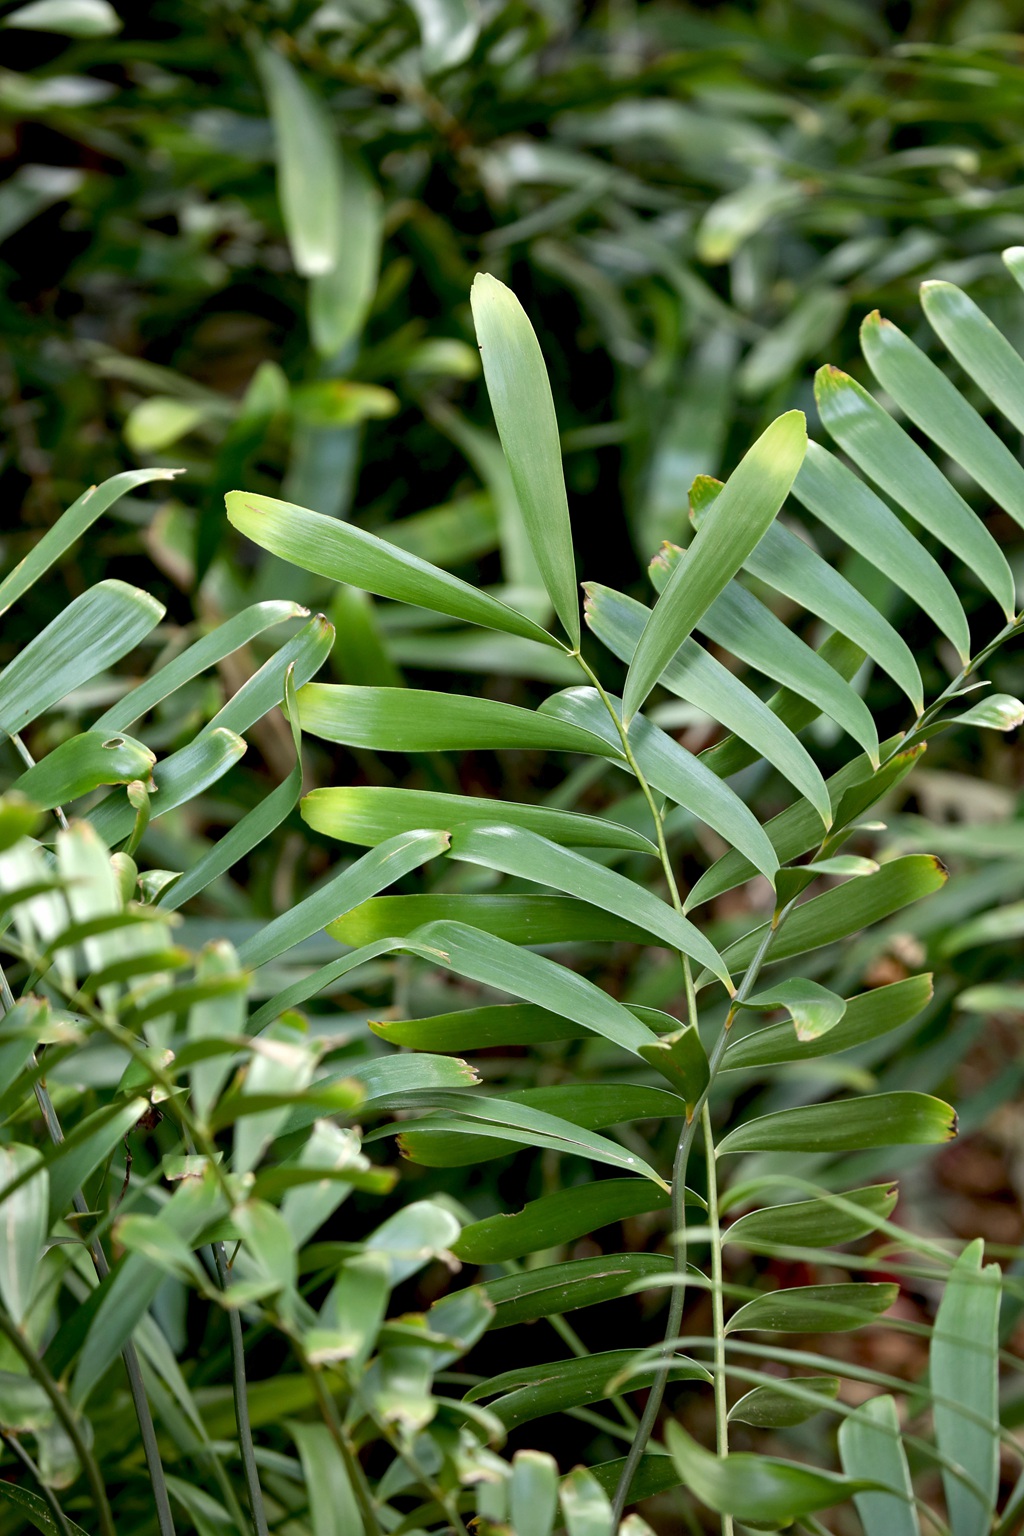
580	864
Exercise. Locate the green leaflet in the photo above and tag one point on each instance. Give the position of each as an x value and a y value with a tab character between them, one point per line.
698	678
524	412
347	889
779	1407
37	1510
534	978
740	517
814	1308
814	1223
515	919
867	1016
881	448
203	654
82	764
847	1125
844	910
414	720
755	1488
308	166
740	623
964	1378
522	1395
813	1008
981	350
557	1218
368	814
671	770
340	297
923	392
870	1446
558	1288
68	529
94	630
478	1029
346	553
516	851
842	501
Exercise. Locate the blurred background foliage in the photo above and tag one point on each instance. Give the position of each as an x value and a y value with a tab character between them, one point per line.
696	205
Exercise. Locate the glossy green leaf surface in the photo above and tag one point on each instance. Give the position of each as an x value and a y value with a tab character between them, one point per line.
477	1029
530	1393
671	770
557	1218
534	978
524	412
94	630
813	1008
867	1016
558	1288
847	1125
814	1308
735	525
696	676
891	458
842	501
367	814
406	720
978	346
815	1223
760	1489
516	851
515	919
83	764
777	1408
346	553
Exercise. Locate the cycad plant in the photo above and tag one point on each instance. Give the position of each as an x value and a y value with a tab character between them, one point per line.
490	925
178	1139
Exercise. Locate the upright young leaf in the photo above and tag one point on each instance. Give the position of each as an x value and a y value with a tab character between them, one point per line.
870	1447
964	1374
732	529
520	394
533	1493
24	1223
308	167
340	297
333	1509
980	348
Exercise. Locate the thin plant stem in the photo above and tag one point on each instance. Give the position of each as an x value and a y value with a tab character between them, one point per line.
241	1398
717	1301
39	1373
356	1476
19	1452
133	1369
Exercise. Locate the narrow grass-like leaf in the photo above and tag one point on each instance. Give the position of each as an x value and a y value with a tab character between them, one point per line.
982	351
922	392
179	778
536	1390
516	919
738	622
964	1378
70	526
94	630
697	677
380	867
815	1308
557	1288
847	1125
524	412
516	851
333	1508
82	764
368	814
346	553
891	458
24	1224
731	531
534	978
870	1447
477	1029
557	1218
340	297
203	654
407	720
